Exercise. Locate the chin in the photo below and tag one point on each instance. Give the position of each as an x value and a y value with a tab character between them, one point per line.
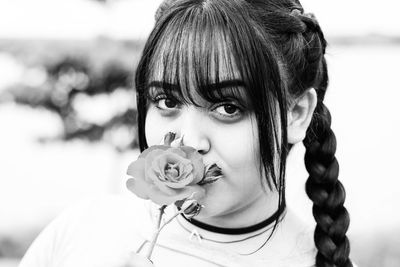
214	200
213	207
206	214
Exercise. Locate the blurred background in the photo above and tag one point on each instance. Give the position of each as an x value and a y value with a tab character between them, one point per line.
68	113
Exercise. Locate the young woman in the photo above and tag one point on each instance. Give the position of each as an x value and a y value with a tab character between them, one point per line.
241	81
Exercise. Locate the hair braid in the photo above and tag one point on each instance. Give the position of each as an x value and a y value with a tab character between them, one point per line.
326	192
322	186
303	45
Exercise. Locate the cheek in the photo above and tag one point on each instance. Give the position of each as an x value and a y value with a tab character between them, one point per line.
155	127
240	148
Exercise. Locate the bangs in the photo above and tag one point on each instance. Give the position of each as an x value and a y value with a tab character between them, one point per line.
193	59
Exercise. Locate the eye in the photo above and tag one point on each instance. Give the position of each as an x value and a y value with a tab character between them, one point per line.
167	103
228	111
164	102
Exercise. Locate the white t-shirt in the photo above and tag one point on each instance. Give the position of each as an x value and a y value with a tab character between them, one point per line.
103	232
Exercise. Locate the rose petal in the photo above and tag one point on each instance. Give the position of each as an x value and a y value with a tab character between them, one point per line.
178	159
150	158
198	171
173	175
189	151
154	177
182	183
192	154
151	149
158	170
136	169
177	142
177	151
162	185
160	162
172	159
186	169
153	154
139	187
197	161
185	177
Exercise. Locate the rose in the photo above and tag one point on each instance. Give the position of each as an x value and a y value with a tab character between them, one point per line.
167	174
171	173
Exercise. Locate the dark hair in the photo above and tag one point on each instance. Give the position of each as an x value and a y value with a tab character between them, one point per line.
278	51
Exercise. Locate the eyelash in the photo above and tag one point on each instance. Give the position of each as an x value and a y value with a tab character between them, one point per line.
171	111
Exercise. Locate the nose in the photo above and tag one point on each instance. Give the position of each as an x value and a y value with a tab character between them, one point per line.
195	130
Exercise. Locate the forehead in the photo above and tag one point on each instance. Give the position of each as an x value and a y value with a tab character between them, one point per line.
196	54
188	65
198	77
193	49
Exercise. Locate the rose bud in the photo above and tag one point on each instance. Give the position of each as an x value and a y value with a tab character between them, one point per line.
190	208
168	138
212	173
177	142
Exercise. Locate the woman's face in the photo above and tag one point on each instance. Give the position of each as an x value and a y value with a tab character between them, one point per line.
225	133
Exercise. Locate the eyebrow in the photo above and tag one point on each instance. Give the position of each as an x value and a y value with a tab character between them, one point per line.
212	86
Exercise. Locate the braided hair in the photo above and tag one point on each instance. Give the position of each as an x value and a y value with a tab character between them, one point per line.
307	68
292	46
302	43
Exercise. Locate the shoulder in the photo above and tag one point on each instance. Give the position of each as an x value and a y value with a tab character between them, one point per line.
298	237
104	212
107	225
297	231
292	243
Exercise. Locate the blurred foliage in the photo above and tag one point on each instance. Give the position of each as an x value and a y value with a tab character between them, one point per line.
69	77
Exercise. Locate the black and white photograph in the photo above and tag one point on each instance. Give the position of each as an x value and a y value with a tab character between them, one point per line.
201	133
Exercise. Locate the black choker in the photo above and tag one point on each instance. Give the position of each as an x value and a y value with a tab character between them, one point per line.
238	231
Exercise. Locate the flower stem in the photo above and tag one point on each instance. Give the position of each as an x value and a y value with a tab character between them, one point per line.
156	232
169	220
159	228
162	208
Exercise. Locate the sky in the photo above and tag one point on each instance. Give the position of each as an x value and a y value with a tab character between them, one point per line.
130	19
